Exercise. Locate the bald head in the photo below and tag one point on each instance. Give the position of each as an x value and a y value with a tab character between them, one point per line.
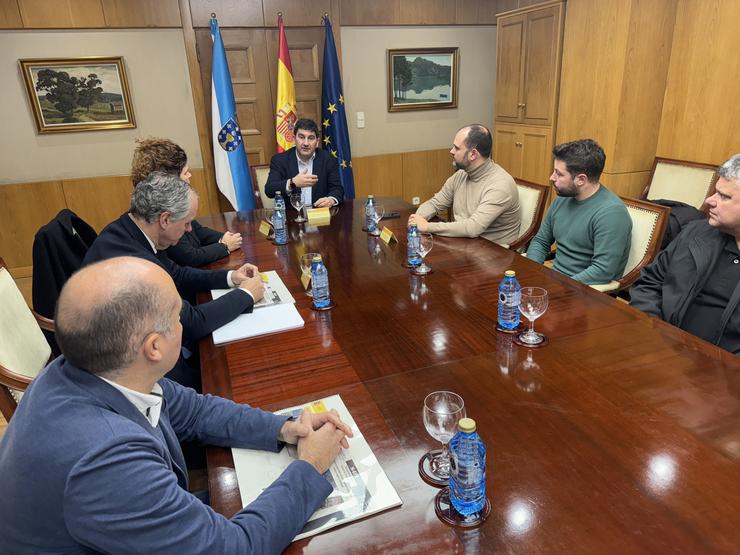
107	309
478	136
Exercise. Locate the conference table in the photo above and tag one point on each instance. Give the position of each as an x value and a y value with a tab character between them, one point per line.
621	435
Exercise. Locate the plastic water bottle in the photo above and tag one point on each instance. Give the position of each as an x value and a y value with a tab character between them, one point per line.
412	249
509	297
467	469
320	283
370	224
279	220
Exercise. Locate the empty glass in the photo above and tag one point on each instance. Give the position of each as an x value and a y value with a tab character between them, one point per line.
426	242
306	260
296	200
377	216
533	304
442	411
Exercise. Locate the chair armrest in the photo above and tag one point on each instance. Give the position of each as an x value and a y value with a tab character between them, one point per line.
44	323
606	287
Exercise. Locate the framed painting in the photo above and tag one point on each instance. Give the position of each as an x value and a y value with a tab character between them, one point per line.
78	94
422	78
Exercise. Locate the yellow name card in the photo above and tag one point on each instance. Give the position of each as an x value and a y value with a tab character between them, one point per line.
264	277
305	280
265	228
387	236
319	216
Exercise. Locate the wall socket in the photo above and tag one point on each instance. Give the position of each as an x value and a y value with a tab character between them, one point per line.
415	201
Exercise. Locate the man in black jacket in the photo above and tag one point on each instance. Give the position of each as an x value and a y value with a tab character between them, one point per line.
162	209
695	283
314	173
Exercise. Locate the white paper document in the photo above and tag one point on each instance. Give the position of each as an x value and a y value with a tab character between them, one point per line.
361	487
275	291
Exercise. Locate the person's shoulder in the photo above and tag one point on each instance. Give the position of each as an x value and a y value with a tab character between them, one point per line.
283	156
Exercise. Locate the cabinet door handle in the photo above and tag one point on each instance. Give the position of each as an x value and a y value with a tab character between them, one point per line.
521	105
518	143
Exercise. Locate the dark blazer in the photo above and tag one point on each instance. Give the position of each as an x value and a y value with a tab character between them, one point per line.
123	238
668	286
83	471
198	247
284	166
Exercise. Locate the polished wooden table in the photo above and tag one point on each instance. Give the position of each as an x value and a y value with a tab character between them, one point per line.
622	435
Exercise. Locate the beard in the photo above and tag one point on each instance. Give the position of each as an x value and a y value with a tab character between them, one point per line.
464	165
570	192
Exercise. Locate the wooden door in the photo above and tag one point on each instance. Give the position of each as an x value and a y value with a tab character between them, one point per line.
541	65
507	148
536	154
509	68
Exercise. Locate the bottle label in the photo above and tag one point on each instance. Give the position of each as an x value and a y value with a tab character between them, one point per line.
512	299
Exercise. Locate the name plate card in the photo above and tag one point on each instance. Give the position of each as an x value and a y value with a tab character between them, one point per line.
265	228
387	236
319	216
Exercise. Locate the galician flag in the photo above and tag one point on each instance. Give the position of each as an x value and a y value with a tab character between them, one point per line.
229	156
285	116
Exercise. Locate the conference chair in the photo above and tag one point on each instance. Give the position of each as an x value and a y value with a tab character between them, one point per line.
648	226
532	198
23	349
679	180
259	180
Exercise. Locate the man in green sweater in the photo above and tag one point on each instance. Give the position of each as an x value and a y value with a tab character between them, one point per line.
589	223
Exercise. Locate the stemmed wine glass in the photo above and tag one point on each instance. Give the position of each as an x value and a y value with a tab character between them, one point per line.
426	242
296	199
306	260
442	411
532	305
377	216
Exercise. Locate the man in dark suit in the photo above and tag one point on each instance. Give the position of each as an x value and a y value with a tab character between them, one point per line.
303	168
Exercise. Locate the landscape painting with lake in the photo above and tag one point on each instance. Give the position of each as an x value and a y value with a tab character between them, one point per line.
422	78
79	94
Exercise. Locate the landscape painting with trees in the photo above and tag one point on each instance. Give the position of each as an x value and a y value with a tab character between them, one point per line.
82	94
422	79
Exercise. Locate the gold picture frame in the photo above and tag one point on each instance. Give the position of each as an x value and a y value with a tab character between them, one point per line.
78	94
422	78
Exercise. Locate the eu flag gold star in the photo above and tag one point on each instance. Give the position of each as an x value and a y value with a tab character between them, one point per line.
327	140
341	98
334	153
350	163
325	123
343	164
332	108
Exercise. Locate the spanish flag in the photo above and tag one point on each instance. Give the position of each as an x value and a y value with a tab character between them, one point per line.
285	116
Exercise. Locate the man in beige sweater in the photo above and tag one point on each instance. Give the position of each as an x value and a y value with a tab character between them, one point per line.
483	196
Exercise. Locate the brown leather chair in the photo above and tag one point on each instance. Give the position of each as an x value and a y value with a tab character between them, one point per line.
680	180
259	179
532	198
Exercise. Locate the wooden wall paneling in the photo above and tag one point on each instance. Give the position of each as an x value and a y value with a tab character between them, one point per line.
646	68
509	68
297	13
98	200
10	15
507	148
426	12
626	184
141	13
536	154
201	112
198	182
541	65
380	175
700	117
230	13
528	3
24	208
425	172
377	12
61	13
481	12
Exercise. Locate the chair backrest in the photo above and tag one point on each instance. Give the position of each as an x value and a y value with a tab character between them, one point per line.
687	182
648	226
259	180
23	348
532	197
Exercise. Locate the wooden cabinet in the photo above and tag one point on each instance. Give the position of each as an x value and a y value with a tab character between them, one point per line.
528	51
524	151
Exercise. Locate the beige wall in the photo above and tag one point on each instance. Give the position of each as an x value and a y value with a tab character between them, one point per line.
364	80
160	87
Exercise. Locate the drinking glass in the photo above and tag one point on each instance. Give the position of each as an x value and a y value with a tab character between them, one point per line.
426	242
442	411
296	200
377	216
306	260
532	305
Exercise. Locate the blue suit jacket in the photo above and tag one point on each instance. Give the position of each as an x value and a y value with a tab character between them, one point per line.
123	238
82	471
284	166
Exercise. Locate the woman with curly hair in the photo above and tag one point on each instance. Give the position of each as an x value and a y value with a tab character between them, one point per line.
202	245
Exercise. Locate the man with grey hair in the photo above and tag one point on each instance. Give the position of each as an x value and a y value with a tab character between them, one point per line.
483	197
162	207
91	461
695	283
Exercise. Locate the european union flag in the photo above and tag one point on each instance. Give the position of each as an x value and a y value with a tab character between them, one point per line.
333	118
